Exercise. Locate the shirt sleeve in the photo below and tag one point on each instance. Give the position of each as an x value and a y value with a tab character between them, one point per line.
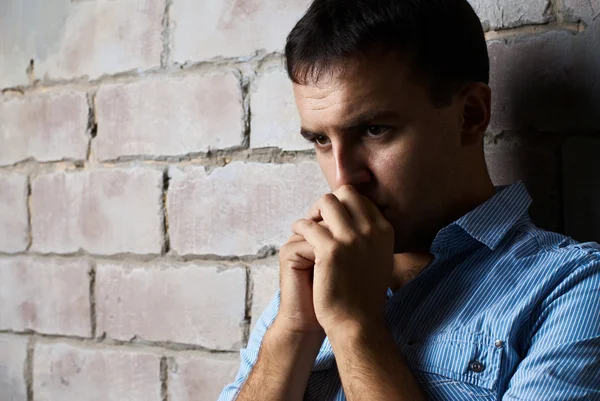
563	359
249	355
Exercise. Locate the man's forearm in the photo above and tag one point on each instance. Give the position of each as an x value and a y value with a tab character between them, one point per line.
371	366
283	367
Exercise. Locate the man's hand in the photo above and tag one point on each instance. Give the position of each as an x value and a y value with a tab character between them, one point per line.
296	311
292	343
353	249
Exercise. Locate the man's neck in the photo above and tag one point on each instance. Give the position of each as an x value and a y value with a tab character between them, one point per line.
408	265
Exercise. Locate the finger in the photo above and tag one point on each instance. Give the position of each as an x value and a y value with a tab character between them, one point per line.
374	212
315	234
299	255
314	213
295	238
355	205
335	216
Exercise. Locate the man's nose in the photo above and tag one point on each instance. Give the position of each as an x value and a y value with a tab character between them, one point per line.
351	169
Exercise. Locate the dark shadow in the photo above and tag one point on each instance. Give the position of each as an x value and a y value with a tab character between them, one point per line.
546	96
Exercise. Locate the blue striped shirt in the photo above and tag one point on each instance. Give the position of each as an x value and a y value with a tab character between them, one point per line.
506	311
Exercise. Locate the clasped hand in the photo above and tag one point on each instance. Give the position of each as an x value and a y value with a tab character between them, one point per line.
344	251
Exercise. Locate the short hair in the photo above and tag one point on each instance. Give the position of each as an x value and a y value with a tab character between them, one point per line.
443	39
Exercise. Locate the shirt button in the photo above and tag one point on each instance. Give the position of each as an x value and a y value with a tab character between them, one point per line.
499	343
476	366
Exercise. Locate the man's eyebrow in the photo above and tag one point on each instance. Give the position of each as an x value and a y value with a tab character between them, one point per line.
308	134
360	120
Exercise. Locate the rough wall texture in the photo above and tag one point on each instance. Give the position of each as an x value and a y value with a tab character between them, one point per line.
150	168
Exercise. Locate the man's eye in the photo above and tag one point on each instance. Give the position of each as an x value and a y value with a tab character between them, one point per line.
319	140
376	130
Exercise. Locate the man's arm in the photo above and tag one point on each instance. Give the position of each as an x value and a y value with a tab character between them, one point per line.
283	367
371	366
563	361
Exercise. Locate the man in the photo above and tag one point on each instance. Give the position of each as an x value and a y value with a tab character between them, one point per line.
416	278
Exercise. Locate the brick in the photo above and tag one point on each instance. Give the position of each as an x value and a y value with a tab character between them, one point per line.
204	30
581	9
68	39
13	353
265	283
538	169
495	14
169	116
14	236
48	296
68	373
44	126
189	304
241	208
200	377
104	212
550	82
581	188
275	119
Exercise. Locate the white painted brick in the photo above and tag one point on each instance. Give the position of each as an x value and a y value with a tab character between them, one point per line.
68	39
104	212
200	377
189	304
13	353
495	14
275	120
68	373
45	295
212	28
582	9
265	282
14	235
44	126
169	116
240	208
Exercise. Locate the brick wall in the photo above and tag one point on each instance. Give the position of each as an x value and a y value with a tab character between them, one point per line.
150	168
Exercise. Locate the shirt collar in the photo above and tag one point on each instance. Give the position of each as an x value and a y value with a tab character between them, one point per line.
492	220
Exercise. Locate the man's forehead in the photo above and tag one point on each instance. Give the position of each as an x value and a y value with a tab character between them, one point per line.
346	104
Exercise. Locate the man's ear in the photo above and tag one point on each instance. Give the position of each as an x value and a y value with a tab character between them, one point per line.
476	100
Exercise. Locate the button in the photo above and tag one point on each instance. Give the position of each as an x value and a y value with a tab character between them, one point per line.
476	366
499	343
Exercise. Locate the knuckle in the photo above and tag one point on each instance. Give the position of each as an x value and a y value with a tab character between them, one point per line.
353	239
347	188
284	251
368	230
387	228
302	223
328	198
308	223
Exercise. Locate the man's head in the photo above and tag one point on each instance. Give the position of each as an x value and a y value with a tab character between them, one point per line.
394	92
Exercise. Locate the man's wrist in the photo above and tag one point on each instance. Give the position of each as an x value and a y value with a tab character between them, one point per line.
284	364
357	332
300	347
281	332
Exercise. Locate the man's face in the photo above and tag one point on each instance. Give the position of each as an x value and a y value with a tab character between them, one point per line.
376	128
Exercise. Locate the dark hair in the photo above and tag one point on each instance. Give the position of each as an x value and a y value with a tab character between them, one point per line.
443	39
